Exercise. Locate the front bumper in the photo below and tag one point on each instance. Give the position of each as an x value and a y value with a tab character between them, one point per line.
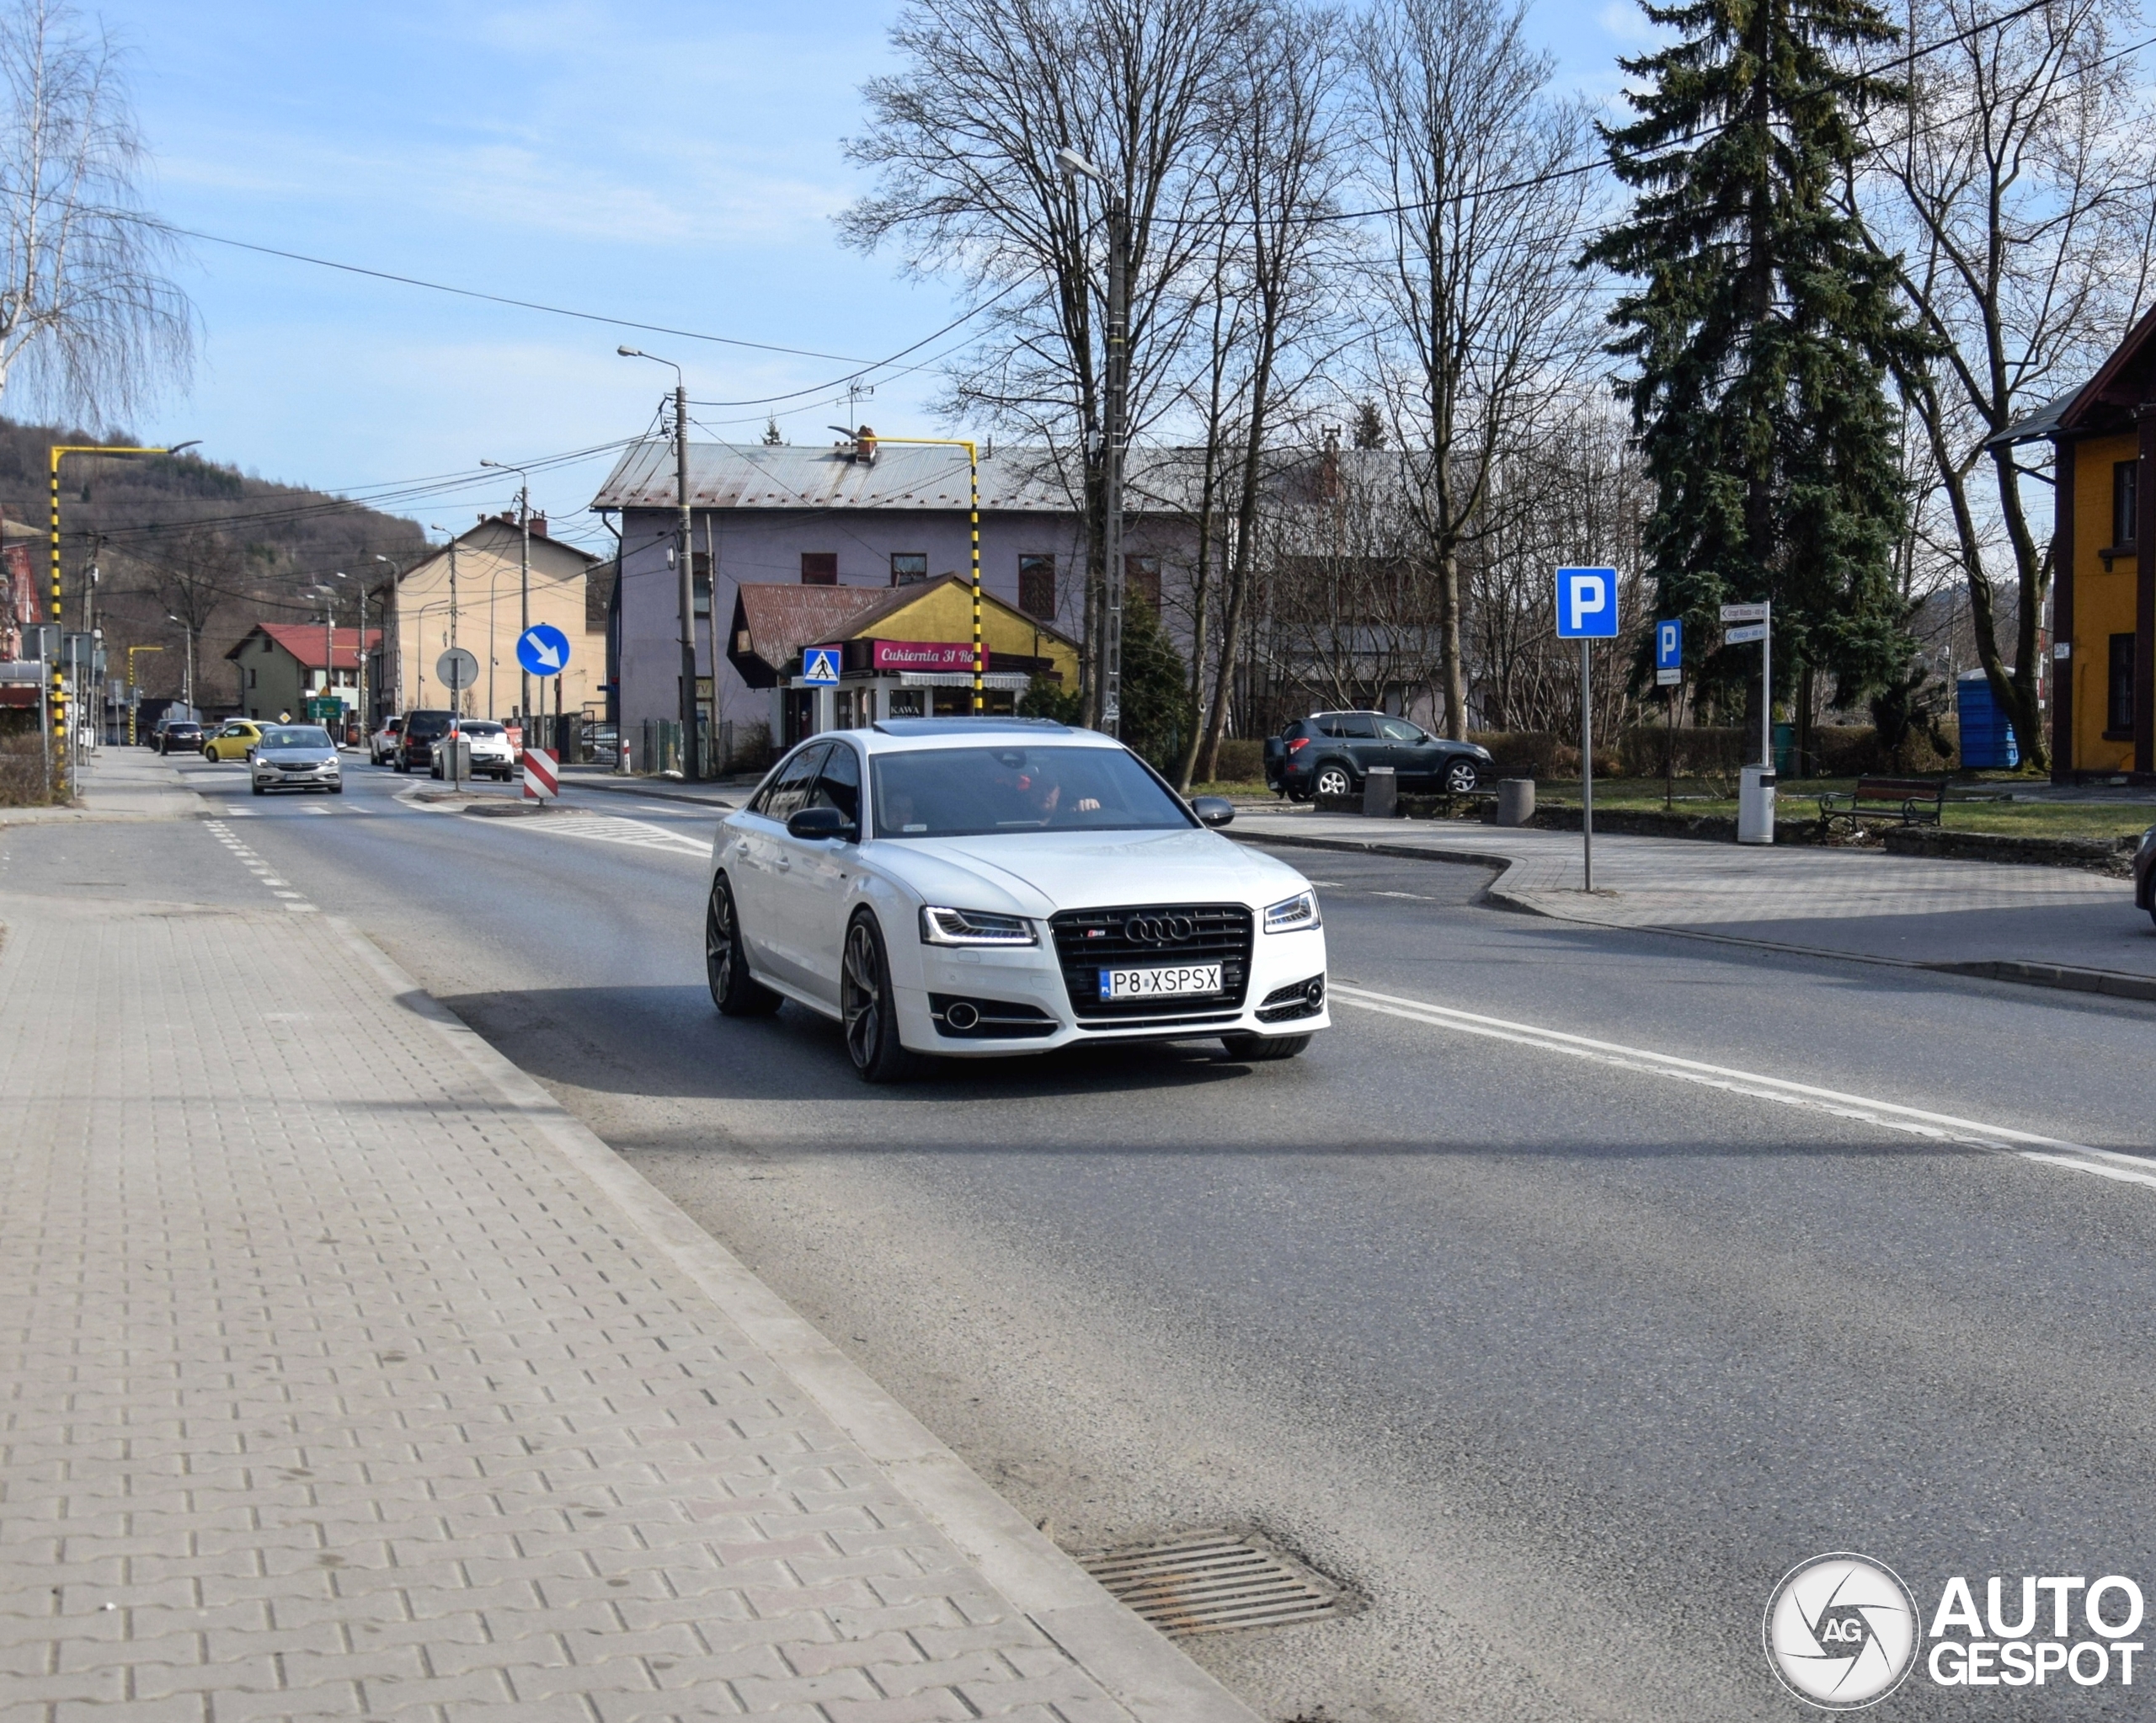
1017	1000
316	777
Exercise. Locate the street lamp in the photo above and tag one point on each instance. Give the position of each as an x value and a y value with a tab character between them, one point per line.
61	729
188	686
1115	431
691	764
973	520
523	586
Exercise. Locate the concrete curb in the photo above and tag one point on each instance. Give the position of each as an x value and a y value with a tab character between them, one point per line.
1137	1666
637	786
2110	983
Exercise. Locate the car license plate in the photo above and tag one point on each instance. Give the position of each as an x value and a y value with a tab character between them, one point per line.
1152	984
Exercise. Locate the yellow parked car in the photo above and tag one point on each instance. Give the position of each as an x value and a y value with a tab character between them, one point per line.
234	740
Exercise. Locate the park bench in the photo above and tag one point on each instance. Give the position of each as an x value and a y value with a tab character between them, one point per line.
1906	801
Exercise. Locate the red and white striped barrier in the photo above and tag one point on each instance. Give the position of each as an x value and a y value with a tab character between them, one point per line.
542	778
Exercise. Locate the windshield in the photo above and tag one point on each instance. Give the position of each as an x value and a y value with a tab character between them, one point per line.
480	727
952	792
296	736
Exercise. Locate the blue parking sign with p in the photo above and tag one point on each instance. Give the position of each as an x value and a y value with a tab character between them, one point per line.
819	666
1669	645
1586	604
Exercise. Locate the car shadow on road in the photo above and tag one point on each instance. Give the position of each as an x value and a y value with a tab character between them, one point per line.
668	1042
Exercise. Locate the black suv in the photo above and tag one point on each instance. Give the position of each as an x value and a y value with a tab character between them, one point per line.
415	745
182	734
1328	754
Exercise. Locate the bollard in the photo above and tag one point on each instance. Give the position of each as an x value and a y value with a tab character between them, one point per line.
1515	801
1381	792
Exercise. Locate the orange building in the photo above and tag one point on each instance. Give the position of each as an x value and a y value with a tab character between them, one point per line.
2103	590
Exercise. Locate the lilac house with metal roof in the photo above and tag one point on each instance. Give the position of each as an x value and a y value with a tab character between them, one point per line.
778	514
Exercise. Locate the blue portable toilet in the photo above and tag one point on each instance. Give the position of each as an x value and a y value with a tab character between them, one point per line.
1987	743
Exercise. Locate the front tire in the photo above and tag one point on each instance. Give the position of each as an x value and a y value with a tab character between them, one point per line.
868	1006
733	989
1333	780
1461	777
1257	1049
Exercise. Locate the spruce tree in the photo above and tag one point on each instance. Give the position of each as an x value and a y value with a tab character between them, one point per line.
1761	334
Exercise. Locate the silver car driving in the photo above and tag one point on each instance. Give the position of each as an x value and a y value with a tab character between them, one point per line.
296	757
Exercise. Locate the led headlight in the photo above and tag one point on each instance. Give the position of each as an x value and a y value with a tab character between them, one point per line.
940	926
1293	915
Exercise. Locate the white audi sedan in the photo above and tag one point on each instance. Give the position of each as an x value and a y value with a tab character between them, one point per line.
977	886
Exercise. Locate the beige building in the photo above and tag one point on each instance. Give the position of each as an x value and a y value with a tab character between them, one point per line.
466	594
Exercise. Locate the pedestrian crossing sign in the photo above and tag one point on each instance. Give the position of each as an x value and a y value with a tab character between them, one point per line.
819	666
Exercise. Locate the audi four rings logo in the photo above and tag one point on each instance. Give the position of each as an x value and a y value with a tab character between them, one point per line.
1841	1631
1159	930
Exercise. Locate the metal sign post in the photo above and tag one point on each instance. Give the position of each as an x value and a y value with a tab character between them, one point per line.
1587	612
1760	620
457	670
1669	676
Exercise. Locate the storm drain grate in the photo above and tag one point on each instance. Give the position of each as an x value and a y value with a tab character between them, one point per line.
1212	1582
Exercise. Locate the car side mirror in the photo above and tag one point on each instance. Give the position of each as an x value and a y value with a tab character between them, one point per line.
820	822
1214	810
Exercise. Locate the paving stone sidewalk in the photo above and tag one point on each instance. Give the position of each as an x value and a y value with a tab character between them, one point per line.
342	1375
1843	902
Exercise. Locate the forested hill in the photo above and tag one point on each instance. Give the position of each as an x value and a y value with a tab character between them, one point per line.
177	534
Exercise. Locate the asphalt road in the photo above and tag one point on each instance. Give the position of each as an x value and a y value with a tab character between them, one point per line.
1557	1355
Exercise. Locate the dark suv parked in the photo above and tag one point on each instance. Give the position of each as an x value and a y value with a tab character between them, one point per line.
1329	753
415	747
183	735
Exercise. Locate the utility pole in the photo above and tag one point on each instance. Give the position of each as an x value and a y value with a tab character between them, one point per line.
684	572
1115	433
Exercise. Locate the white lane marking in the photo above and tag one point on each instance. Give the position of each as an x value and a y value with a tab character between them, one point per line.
1413	897
1890	1115
598	828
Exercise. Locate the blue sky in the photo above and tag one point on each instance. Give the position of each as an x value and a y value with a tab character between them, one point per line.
674	163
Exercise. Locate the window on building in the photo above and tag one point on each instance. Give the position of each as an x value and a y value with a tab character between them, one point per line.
1037	587
909	567
699	580
1141	575
2126	501
2118	694
819	567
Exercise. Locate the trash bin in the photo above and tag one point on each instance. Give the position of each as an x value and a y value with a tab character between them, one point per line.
1381	793
1755	805
1515	801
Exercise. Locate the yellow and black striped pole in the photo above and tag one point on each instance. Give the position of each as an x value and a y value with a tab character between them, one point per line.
973	474
980	657
59	678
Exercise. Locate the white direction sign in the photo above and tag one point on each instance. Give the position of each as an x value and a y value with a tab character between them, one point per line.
457	670
1746	613
1740	637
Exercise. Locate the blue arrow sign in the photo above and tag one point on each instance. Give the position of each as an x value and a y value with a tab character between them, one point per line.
819	666
1669	645
543	649
1586	604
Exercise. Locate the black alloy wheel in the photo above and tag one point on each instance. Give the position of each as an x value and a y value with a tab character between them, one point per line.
1258	1050
733	989
1461	777
868	1009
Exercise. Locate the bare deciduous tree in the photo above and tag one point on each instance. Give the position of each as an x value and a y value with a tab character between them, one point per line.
2017	189
963	142
89	323
1279	168
1488	322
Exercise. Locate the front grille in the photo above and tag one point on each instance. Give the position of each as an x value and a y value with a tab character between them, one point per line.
1146	935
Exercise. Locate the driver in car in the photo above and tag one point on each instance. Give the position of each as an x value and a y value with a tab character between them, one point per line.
1040	795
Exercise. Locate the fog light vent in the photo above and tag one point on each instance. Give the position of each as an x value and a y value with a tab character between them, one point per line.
1212	1582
